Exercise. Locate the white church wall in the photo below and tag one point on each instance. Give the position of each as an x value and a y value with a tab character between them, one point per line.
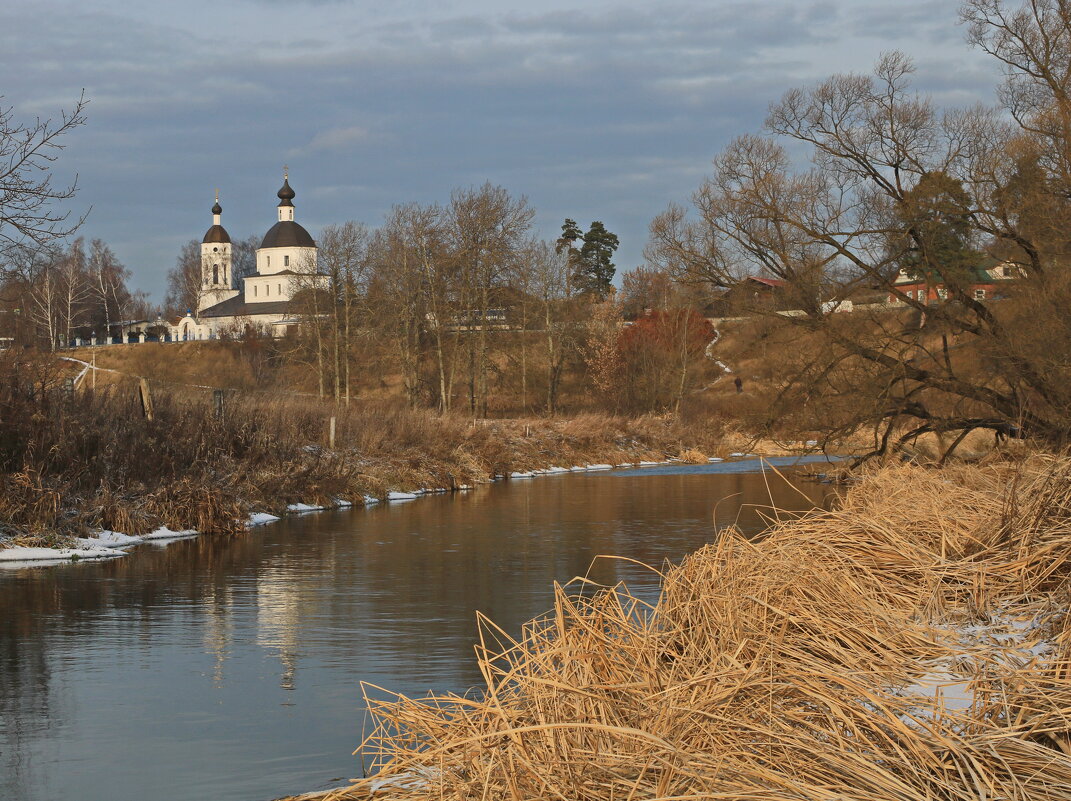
268	288
276	260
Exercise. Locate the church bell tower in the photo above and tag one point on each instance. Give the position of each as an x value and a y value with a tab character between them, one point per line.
216	275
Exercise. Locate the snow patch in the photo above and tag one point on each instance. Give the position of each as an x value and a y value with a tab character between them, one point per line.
164	533
111	539
521	475
402	496
13	556
260	518
304	507
600	467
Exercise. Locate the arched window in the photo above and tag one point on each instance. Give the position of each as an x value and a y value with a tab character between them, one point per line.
280	288
254	290
267	290
269	261
286	261
215	273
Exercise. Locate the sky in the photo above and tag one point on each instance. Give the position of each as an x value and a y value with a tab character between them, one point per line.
592	110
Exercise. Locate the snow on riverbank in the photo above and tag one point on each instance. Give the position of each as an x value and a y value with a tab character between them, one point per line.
164	533
113	544
300	508
14	557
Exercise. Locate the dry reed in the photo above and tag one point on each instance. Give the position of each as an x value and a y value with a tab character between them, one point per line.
799	666
71	463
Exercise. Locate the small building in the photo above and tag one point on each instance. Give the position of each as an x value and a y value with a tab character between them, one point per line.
986	283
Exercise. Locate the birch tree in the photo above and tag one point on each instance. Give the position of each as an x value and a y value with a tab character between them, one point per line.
107	279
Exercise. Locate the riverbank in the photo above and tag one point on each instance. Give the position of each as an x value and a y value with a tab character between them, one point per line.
81	463
913	643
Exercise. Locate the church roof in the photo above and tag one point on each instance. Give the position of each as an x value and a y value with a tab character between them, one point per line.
259	274
287	234
237	307
217	233
286	195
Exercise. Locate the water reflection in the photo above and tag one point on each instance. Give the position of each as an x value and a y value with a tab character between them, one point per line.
230	668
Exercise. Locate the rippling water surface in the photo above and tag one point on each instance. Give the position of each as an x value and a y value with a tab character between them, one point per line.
230	668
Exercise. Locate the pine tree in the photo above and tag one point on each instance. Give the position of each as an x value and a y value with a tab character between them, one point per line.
594	271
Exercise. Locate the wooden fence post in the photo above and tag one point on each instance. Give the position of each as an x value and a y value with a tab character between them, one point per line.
146	399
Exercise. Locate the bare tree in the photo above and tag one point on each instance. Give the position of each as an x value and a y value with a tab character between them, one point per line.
36	268
107	282
895	188
424	228
344	260
488	228
184	280
59	291
244	258
400	302
28	196
547	275
1033	44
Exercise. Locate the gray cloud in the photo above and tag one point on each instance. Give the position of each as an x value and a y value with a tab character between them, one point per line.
602	112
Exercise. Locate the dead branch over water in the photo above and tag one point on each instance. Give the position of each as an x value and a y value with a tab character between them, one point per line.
913	644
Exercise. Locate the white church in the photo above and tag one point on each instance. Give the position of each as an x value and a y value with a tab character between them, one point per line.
286	264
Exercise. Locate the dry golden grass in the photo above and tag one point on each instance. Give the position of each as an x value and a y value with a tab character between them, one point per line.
776	669
692	456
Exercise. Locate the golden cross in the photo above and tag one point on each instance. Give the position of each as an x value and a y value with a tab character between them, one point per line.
286	173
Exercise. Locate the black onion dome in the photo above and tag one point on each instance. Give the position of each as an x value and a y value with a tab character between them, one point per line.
286	194
217	209
287	234
216	234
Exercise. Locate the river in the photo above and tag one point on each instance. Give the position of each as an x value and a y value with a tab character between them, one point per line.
230	668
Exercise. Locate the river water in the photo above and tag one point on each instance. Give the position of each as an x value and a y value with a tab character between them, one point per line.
229	668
